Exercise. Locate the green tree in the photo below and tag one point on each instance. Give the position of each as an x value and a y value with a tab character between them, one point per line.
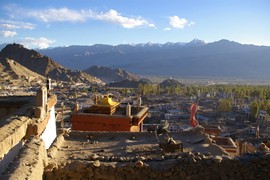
254	110
85	90
225	105
75	93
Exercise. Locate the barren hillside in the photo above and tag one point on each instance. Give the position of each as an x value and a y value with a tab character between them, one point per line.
13	72
43	65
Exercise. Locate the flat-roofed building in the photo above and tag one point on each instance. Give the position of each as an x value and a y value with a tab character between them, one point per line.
107	115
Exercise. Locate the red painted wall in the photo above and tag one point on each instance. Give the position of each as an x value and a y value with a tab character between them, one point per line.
92	122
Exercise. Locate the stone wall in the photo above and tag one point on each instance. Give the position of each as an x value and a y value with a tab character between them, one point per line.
184	166
11	139
30	163
17	129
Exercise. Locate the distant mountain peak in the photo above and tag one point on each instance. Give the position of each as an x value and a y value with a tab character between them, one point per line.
226	41
195	42
170	83
167	44
226	44
148	44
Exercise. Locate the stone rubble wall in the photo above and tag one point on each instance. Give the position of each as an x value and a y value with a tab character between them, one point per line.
183	166
30	163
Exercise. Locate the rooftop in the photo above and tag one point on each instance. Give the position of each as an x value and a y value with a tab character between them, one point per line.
14	106
121	147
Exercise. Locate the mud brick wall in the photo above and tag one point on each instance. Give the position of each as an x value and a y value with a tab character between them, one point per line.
30	163
13	133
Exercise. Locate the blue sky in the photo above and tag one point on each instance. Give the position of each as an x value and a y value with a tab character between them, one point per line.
50	23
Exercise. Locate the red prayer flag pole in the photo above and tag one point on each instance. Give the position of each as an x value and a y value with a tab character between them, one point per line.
193	110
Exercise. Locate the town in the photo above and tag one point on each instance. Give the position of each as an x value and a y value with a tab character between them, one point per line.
231	120
237	110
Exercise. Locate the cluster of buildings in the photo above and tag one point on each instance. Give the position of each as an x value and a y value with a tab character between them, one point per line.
24	119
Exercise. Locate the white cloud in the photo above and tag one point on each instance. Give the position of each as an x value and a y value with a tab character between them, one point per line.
152	25
69	15
167	29
191	23
45	15
7	24
56	15
41	42
8	33
177	22
114	17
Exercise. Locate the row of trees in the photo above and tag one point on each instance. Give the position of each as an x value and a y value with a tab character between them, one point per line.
258	104
258	97
237	91
225	106
240	91
154	89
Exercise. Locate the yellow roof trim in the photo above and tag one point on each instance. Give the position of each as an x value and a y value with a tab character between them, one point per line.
106	101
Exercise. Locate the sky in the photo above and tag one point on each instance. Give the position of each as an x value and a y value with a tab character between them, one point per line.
51	23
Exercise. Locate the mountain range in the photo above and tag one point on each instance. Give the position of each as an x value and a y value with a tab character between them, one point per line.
222	58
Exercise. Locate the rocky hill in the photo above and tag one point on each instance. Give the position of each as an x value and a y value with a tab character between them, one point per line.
194	59
170	83
42	65
14	73
108	75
